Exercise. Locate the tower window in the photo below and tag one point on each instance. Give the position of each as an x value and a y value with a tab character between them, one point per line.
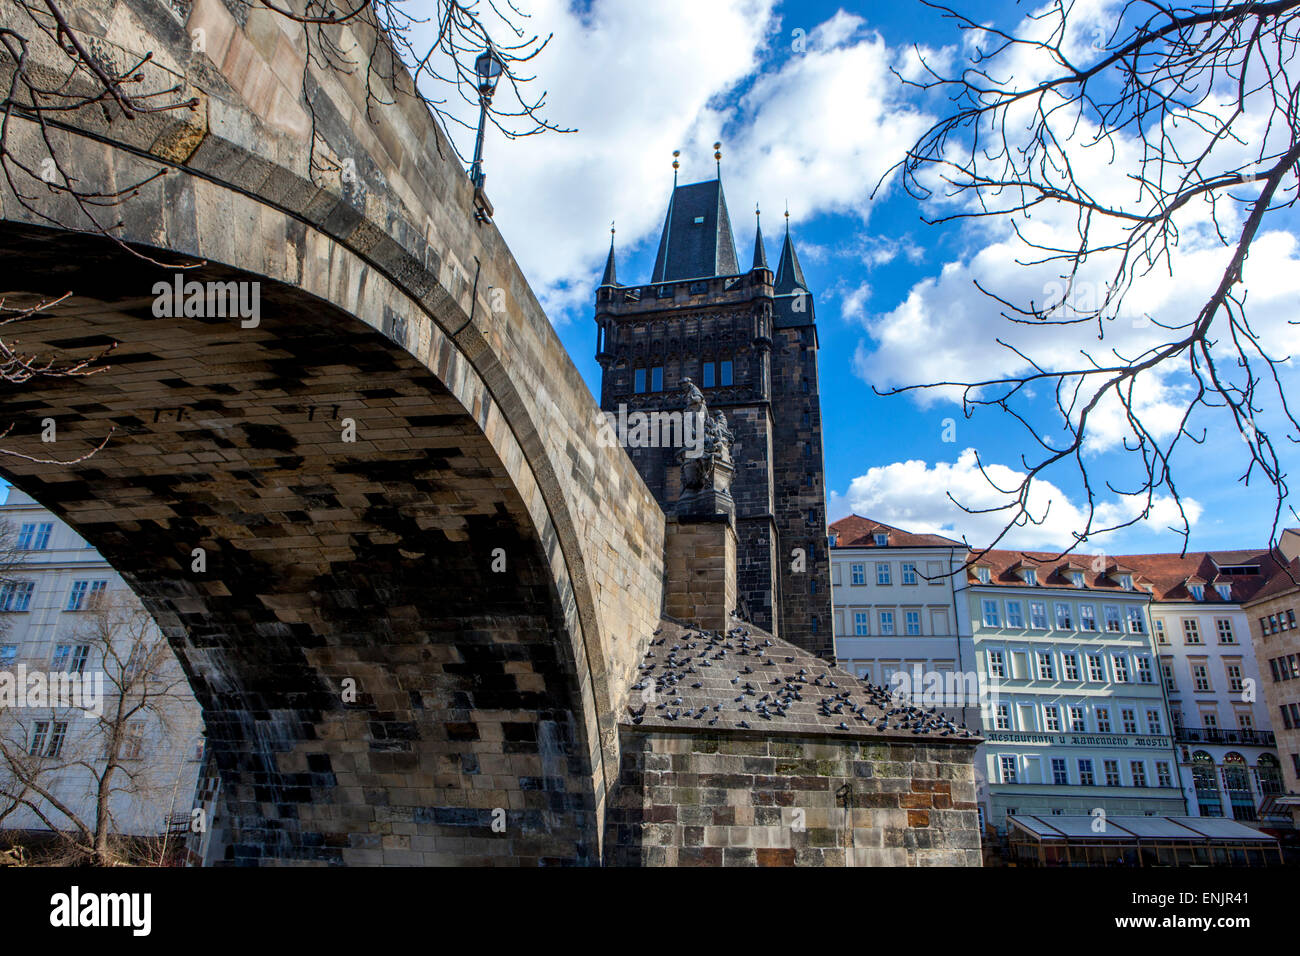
638	385
708	376
726	372
657	379
806	388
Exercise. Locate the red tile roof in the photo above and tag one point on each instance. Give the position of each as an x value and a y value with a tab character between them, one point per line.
1282	579
1053	569
1170	574
856	531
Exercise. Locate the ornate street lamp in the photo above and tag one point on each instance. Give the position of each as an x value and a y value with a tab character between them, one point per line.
488	66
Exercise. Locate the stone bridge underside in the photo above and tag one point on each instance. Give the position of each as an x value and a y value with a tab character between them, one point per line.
327	561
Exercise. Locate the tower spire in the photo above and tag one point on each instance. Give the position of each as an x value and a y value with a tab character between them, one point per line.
789	274
760	253
609	278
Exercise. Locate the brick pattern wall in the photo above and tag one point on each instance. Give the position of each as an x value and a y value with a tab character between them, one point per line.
700	578
736	799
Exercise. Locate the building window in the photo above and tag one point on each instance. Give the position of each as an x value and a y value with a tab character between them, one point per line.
1154	724
1002	718
1096	669
708	374
1128	719
638	381
882	539
47	738
1163	777
1007	765
1161	636
1078	723
16	595
1071	662
1038	615
34	537
887	623
1201	678
1060	775
1224	626
85	594
1063	616
816	625
1046	671
1031	576
1144	670
1076	578
70	658
133	741
990	613
8	654
912	620
1225	591
1233	671
860	625
1103	720
1167	669
1112	619
1111	768
1120	664
1052	718
882	572
1139	771
657	379
725	376
1126	582
1198	591
1087	618
858	573
983	575
1191	631
1086	778
909	573
997	664
1135	623
1015	617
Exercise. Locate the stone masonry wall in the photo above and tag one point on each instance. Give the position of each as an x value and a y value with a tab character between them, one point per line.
764	799
700	571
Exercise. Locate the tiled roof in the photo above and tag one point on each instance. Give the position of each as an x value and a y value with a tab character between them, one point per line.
856	531
1170	574
1052	569
1282	578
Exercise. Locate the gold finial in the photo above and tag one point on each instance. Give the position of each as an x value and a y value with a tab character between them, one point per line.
717	151
757	213
611	228
787	215
676	166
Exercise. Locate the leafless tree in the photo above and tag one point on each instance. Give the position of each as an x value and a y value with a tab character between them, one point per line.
107	760
1193	105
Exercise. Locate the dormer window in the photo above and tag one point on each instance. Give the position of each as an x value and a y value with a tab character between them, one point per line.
834	539
1225	591
1076	578
1126	582
882	539
1198	591
1031	576
983	575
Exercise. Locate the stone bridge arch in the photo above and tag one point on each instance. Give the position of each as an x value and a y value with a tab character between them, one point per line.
409	308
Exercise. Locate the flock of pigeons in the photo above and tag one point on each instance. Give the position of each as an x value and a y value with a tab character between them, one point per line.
687	681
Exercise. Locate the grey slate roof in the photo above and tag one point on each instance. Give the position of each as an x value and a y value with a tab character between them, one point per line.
609	277
696	250
789	274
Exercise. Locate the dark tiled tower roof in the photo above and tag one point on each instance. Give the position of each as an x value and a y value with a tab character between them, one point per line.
760	254
789	274
697	242
609	278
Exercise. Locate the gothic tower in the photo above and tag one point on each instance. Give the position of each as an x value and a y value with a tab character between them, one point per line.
748	339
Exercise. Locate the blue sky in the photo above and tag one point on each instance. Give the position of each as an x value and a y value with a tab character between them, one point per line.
896	303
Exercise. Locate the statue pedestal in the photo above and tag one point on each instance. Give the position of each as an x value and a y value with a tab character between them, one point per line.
700	569
711	501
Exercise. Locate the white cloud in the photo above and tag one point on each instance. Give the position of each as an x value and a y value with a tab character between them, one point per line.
639	80
915	495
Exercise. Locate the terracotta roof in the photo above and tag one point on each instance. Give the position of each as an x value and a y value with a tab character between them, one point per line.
1170	574
1053	570
1280	580
856	531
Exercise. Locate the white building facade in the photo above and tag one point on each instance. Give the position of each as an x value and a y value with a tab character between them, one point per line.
1227	755
55	582
1079	721
898	616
